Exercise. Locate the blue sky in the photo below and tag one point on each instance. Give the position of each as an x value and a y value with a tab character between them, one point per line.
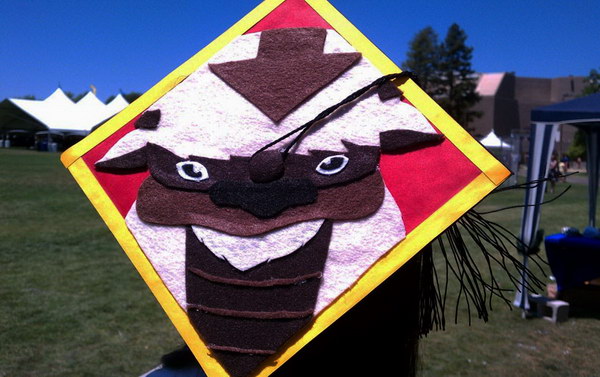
130	45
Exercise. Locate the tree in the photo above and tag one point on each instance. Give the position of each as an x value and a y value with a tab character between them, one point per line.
578	147
422	58
74	97
457	80
592	83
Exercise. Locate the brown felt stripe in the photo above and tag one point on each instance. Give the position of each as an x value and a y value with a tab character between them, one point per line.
251	283
248	314
285	56
240	350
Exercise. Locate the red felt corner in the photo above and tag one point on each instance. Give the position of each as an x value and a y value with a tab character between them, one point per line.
291	13
421	184
121	188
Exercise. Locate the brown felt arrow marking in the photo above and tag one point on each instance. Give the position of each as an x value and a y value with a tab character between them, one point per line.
290	67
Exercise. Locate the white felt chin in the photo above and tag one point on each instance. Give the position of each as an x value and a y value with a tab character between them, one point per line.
244	253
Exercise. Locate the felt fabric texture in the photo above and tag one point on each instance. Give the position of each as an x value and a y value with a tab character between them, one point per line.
163	166
203	116
245	333
388	90
266	166
238	364
132	161
164	246
244	253
356	245
298	297
399	141
149	120
266	200
161	205
252	283
291	13
285	56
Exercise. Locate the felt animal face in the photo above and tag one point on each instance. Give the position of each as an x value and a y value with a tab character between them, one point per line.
262	242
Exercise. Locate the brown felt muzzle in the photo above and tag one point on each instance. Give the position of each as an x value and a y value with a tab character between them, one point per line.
224	195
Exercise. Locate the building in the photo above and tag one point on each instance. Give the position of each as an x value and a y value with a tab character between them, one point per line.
507	101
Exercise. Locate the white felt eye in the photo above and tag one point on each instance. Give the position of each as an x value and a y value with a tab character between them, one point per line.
332	164
192	171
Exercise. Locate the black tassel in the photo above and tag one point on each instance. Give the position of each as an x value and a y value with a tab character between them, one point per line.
432	301
493	241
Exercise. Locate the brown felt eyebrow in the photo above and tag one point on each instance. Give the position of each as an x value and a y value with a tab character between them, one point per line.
401	141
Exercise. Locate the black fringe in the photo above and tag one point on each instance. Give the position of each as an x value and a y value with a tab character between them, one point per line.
477	290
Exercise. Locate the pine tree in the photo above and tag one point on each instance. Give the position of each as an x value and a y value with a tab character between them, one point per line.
422	58
592	83
457	80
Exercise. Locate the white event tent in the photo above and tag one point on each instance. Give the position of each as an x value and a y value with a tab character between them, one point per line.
59	113
493	141
57	117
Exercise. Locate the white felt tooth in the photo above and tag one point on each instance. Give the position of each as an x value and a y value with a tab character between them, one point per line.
243	253
164	246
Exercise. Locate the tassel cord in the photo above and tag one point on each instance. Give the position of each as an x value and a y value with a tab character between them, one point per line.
330	110
527	205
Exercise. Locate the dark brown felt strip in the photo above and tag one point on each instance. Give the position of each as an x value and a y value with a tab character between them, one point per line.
135	160
161	205
249	314
252	283
388	90
285	56
149	120
401	141
249	351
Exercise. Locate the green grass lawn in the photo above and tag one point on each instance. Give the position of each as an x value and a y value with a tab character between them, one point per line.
73	305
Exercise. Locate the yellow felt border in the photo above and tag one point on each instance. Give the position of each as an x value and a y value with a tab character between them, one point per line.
493	173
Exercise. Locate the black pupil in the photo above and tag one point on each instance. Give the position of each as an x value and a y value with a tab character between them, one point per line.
189	170
333	163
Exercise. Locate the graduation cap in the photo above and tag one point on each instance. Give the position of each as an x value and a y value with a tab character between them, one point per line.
272	181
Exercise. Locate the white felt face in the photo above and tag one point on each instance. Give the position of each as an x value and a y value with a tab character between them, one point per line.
205	117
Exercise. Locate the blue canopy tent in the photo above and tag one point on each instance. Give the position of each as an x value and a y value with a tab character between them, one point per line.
583	113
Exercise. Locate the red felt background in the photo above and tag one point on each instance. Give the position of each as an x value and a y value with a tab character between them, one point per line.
291	13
